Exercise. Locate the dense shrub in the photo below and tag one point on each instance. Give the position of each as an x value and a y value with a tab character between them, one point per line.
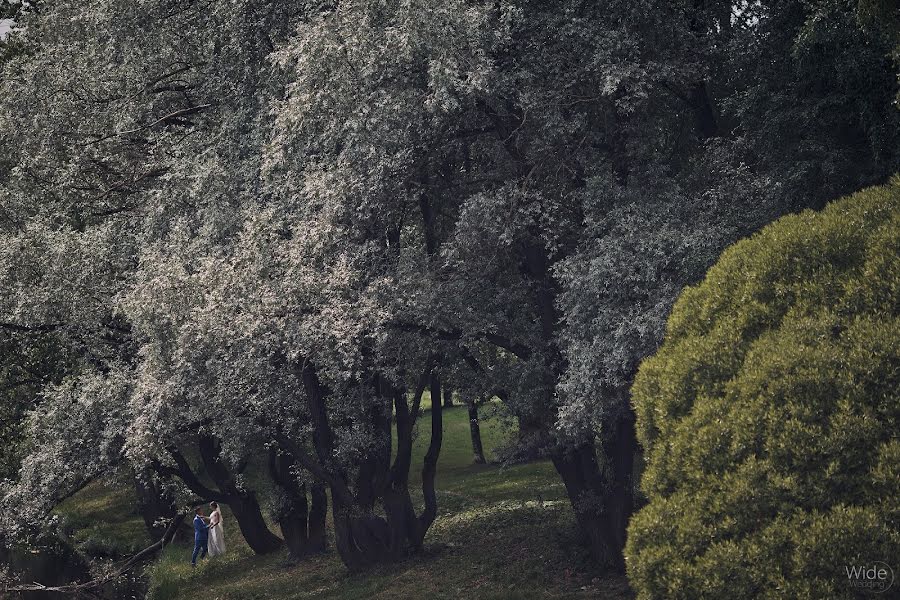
770	414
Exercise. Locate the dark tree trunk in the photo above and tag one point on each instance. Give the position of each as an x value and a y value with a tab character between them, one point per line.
155	504
475	430
429	468
303	527
317	540
292	519
532	441
603	500
619	451
576	464
365	538
243	503
361	536
580	473
252	525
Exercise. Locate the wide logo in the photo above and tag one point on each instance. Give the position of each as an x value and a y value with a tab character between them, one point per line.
875	577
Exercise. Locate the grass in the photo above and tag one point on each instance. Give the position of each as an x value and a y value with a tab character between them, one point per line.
501	534
103	522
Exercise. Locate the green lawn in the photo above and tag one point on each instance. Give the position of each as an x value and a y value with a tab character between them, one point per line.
103	521
500	534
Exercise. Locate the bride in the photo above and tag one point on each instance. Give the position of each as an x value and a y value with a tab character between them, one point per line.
216	533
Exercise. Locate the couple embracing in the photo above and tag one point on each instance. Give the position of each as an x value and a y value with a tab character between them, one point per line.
209	536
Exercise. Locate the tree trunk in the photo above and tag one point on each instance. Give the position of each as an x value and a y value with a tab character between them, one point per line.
532	440
363	537
292	519
603	501
252	525
580	473
317	540
448	395
303	527
155	504
429	467
619	452
243	503
475	430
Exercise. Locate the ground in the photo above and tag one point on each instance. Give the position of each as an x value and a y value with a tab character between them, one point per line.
501	533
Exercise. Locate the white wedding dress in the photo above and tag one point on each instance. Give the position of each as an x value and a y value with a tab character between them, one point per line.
216	534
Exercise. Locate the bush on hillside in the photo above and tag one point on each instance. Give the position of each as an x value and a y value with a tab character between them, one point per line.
770	415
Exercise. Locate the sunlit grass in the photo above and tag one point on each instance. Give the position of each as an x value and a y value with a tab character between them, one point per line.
104	521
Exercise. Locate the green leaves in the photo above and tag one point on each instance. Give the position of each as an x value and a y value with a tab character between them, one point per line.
769	412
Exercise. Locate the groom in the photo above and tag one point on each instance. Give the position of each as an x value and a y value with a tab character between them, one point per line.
201	536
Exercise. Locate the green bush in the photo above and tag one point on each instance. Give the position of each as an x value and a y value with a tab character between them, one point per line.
770	414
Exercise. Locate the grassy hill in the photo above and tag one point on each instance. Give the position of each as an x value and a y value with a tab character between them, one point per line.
501	534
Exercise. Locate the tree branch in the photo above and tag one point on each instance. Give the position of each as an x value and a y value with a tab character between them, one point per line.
31	328
424	379
429	466
169	117
186	474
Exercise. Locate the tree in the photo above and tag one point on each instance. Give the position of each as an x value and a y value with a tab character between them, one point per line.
87	183
76	433
769	414
10	9
475	431
351	156
808	91
546	185
738	167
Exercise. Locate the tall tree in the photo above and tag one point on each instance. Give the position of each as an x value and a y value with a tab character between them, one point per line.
575	199
112	151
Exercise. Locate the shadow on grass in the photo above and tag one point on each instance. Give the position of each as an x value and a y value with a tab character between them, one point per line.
504	550
501	534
